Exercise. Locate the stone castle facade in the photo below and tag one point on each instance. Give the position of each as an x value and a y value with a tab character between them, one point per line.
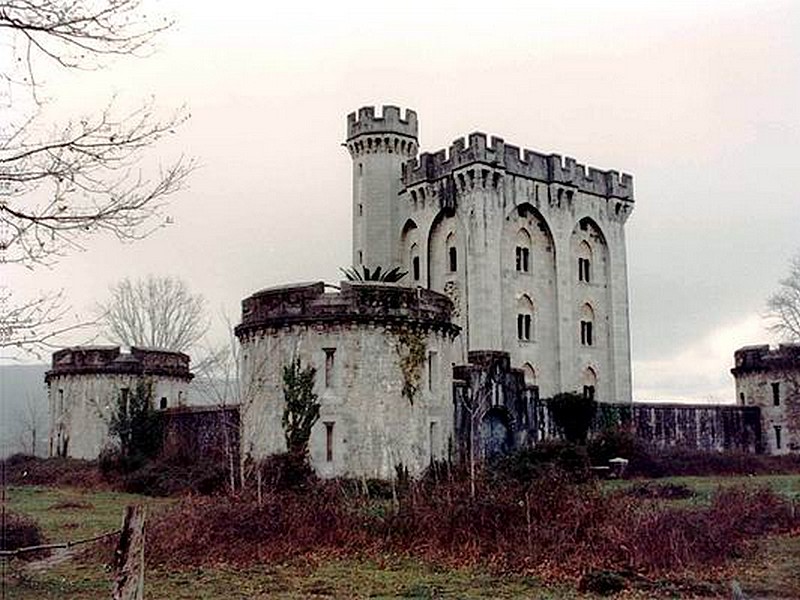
86	384
530	247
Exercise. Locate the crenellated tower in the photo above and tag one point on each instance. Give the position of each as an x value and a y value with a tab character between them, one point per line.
378	145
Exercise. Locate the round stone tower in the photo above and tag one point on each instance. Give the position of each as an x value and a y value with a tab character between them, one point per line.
383	356
86	385
378	146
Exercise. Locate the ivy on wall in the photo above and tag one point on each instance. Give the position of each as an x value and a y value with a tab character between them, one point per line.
410	348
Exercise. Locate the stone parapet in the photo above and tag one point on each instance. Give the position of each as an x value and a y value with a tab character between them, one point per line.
361	302
528	164
762	358
365	122
97	360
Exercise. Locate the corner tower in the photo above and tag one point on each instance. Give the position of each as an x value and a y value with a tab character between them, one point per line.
378	146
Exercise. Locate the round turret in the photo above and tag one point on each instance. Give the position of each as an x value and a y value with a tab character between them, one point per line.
379	146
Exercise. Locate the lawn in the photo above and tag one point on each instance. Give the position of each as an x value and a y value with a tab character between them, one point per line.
68	514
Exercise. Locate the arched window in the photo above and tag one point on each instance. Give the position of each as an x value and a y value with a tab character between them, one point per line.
589	383
530	374
452	253
525	314
414	262
584	262
587	321
522	252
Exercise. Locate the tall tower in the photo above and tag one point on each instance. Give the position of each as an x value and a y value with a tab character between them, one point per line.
378	146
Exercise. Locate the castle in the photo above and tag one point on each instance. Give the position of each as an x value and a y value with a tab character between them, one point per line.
516	287
516	290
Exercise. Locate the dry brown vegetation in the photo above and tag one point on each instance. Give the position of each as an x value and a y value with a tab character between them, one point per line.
549	526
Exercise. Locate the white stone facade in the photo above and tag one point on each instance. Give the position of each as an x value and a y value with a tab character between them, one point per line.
357	340
529	247
770	379
85	385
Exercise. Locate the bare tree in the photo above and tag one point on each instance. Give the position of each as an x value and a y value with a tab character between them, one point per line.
156	312
61	184
32	418
783	307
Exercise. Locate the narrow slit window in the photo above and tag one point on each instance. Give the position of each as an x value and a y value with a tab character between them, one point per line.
776	394
329	441
524	322
584	273
777	429
415	268
330	354
433	369
453	259
586	333
522	259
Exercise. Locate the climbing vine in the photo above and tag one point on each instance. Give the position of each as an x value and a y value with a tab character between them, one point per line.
411	350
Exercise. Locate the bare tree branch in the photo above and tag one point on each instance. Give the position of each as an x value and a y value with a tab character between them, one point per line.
783	307
156	312
36	326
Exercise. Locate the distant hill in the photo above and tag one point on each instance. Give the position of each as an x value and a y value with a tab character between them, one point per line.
23	400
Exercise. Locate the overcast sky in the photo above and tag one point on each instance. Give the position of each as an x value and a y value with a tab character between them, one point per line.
700	102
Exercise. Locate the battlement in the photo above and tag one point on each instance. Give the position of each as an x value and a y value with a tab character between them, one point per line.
763	358
365	122
548	168
95	360
357	302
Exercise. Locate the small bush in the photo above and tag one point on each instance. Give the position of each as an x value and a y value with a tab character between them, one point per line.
20	531
532	463
287	471
612	443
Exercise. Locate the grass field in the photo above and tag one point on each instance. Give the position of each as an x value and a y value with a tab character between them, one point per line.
68	514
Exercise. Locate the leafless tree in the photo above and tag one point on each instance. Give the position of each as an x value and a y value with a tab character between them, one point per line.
32	419
783	307
156	312
61	184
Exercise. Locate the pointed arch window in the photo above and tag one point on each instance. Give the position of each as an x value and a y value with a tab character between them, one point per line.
522	252
589	383
584	262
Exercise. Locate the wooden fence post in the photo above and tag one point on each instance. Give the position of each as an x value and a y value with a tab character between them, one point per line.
129	557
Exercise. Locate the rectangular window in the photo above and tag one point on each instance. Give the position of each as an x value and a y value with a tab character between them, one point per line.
433	369
163	404
777	429
586	333
360	210
415	268
453	255
588	392
360	257
776	394
329	363
61	401
329	441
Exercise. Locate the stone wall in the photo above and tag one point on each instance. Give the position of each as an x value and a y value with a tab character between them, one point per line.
207	432
713	428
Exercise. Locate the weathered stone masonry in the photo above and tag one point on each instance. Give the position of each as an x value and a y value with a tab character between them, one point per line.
769	378
383	356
